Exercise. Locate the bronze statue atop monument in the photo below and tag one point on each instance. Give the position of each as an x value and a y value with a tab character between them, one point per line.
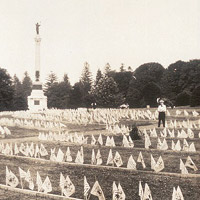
37	28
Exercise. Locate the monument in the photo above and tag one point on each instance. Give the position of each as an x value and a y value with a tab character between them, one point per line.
37	101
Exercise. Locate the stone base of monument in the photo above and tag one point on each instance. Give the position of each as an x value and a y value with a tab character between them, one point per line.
37	101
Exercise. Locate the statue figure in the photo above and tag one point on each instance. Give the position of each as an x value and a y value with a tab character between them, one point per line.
37	28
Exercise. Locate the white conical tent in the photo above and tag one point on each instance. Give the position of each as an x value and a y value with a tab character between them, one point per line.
141	160
97	191
99	158
29	179
159	165
131	163
66	185
93	160
117	159
11	179
189	163
68	155
86	188
110	158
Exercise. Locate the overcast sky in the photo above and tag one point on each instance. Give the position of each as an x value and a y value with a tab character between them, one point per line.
132	32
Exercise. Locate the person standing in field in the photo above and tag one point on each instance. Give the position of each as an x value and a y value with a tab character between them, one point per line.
161	110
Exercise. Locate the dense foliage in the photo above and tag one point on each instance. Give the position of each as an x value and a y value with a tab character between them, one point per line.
178	84
6	90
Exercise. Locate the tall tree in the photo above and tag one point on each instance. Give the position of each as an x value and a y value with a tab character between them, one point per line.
171	82
134	98
76	96
181	77
49	89
26	86
130	68
107	69
123	80
122	68
148	72
66	79
51	79
19	101
6	90
86	84
194	100
183	99
146	76
107	94
59	95
86	77
151	92
98	76
63	93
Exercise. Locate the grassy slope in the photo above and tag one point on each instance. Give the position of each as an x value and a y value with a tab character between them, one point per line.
161	185
128	179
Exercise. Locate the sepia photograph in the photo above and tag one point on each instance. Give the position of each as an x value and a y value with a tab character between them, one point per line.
100	100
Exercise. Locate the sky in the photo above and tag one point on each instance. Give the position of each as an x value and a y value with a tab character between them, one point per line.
132	32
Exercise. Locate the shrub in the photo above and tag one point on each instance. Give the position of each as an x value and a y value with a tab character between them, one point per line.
134	133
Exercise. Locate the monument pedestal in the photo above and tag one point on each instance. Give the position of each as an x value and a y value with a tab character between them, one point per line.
37	101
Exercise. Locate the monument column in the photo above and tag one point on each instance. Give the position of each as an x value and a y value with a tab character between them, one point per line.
37	57
37	101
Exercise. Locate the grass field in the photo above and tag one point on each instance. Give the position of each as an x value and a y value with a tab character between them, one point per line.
161	184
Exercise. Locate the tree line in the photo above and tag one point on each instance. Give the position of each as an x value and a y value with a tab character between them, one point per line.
179	84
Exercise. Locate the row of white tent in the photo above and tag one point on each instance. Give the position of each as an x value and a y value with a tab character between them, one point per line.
25	150
96	158
175	146
79	139
117	129
68	188
186	113
83	116
37	116
107	116
162	145
30	123
181	133
117	114
4	131
45	115
101	116
184	124
126	141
